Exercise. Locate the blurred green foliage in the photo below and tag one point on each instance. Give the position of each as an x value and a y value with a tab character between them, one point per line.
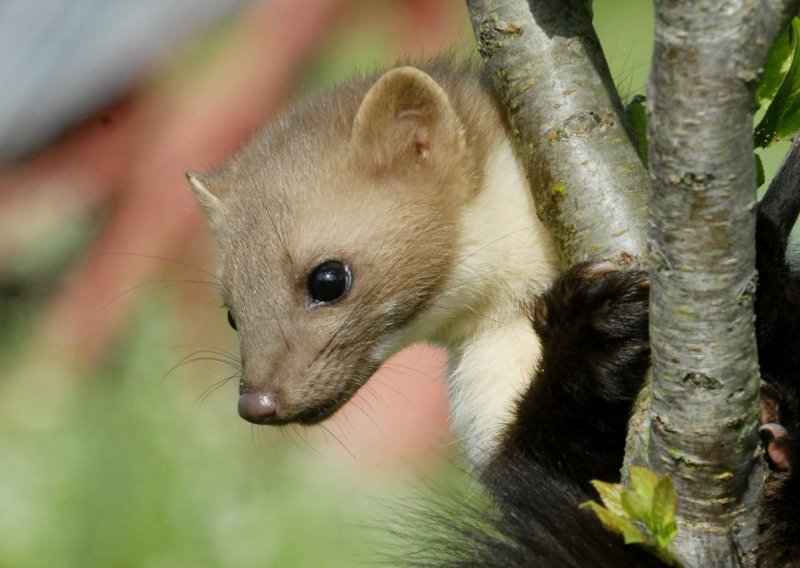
124	469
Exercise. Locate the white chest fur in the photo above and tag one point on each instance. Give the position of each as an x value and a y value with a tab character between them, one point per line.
509	257
485	378
504	257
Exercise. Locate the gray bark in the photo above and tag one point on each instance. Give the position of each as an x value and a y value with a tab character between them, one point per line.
703	421
546	64
549	71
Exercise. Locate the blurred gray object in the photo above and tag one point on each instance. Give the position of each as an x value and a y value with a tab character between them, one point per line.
61	59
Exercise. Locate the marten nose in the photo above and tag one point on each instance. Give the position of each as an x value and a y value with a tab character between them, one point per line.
258	408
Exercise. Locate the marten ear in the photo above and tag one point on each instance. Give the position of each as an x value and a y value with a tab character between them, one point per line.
406	120
207	197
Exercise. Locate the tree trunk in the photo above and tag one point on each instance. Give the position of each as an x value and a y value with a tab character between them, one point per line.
588	183
707	60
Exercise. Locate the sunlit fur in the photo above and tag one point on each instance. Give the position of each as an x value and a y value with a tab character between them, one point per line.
409	177
502	259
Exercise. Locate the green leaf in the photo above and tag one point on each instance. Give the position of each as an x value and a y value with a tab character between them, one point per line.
664	526
643	515
610	495
636	111
638	507
778	63
643	481
782	117
760	176
617	524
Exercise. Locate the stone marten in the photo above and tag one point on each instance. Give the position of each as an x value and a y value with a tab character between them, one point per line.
392	209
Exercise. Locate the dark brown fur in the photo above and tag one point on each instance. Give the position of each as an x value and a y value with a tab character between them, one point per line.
778	328
571	426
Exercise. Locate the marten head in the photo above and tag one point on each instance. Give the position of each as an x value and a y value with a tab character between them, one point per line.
335	229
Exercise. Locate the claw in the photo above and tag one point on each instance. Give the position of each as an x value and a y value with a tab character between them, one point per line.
773	434
601	268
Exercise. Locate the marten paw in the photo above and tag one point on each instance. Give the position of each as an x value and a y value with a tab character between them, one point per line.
779	427
597	302
596	317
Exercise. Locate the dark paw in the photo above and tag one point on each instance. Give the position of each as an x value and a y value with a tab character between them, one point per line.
775	437
595	355
779	427
593	322
596	306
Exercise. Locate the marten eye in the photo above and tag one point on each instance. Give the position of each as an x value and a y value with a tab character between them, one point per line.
231	321
329	281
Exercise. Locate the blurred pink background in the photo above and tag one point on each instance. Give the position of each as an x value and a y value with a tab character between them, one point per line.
190	105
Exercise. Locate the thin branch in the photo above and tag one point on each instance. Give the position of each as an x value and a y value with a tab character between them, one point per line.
549	71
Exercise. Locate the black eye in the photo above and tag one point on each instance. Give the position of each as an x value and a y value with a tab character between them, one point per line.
231	321
329	281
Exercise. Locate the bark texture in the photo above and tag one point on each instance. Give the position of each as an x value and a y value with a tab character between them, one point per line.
703	421
586	177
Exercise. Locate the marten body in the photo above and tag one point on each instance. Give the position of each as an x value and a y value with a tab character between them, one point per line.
778	334
593	327
392	209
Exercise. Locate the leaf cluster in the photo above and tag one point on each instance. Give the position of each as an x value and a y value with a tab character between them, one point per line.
779	89
643	515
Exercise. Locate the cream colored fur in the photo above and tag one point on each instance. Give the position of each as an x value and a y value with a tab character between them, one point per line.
503	258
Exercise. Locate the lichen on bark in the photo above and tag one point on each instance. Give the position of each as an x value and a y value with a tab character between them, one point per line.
550	74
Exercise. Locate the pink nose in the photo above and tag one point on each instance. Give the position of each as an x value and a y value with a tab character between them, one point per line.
258	408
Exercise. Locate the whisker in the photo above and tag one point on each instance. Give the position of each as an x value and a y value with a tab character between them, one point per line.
392	388
194	358
308	445
304	437
284	433
371	392
287	432
363	305
215	387
341	420
283	335
161	258
222	353
355	400
279	234
352	455
413	370
165	282
495	241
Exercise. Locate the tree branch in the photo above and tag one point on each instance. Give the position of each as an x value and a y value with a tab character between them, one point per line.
708	57
550	74
586	177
